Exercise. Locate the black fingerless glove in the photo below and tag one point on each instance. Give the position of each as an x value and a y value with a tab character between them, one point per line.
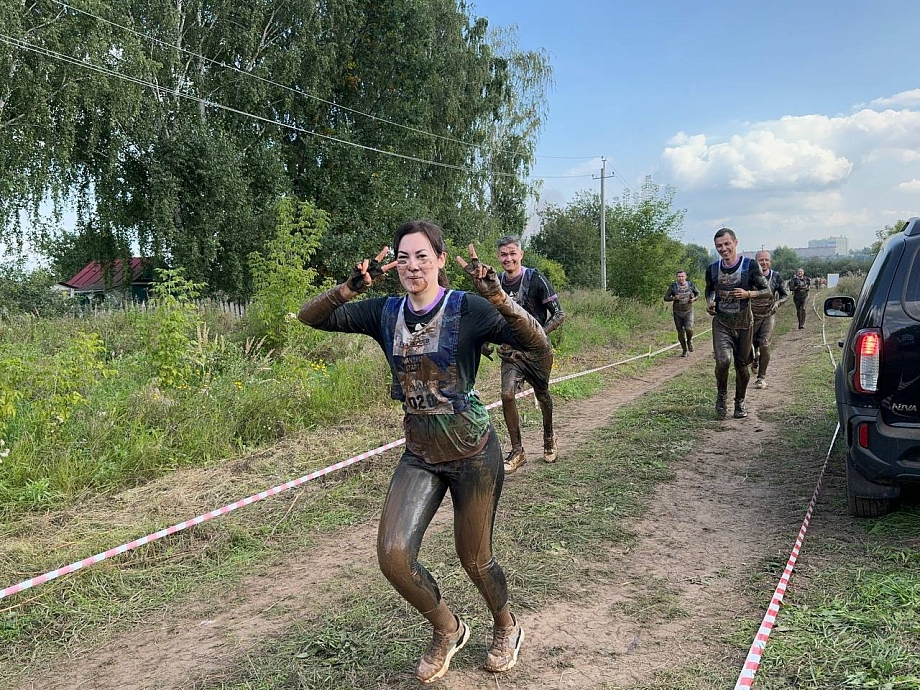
356	282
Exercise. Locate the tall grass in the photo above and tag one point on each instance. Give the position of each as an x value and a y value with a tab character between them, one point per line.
96	404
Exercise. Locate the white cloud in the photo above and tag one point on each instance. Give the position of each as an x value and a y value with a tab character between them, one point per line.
755	160
799	177
801	151
905	98
912	186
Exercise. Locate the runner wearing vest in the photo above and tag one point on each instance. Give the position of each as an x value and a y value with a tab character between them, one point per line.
731	283
799	285
683	294
530	289
432	339
764	310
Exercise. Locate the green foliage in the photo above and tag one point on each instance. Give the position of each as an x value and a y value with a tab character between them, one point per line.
183	172
695	262
281	274
641	246
643	253
553	270
570	235
175	319
884	234
29	292
785	261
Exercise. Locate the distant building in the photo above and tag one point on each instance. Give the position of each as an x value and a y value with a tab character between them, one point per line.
112	281
828	248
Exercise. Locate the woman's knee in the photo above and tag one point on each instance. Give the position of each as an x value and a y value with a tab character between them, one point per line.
395	558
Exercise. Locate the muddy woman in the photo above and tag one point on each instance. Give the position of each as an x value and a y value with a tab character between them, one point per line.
432	338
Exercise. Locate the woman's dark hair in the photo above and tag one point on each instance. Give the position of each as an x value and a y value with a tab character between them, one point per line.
435	236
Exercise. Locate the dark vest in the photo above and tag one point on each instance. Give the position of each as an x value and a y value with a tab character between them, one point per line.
424	362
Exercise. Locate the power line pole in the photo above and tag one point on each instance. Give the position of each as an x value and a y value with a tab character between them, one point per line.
603	225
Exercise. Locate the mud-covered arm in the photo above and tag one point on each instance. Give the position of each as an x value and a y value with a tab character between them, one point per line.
317	310
525	328
694	292
669	295
759	285
781	292
321	311
557	316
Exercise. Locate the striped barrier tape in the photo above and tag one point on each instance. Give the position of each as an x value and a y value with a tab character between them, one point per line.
205	517
131	545
752	662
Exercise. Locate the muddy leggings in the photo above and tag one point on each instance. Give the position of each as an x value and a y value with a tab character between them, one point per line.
799	299
732	344
416	491
684	325
514	373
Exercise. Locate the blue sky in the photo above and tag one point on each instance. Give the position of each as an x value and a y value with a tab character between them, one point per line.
787	121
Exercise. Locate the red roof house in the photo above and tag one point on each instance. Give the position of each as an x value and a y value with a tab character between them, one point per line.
132	282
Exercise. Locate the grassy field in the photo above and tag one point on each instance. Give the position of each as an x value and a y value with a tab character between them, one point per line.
850	618
130	456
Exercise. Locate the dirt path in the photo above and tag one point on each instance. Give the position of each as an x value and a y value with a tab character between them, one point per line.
704	531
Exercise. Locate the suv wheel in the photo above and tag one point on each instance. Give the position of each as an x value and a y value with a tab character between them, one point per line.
864	507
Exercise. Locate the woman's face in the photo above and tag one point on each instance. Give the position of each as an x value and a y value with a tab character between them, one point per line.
418	263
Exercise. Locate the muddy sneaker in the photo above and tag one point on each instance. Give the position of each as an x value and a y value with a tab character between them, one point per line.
690	346
505	647
684	353
740	411
549	448
721	406
760	383
513	460
436	660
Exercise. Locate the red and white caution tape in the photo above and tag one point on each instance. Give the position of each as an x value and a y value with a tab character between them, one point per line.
130	546
752	663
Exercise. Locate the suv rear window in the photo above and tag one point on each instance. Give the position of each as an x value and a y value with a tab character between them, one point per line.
910	297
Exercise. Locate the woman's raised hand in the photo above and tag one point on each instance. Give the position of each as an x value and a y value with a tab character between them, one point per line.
484	277
368	271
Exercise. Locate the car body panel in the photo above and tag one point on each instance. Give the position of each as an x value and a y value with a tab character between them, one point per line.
889	302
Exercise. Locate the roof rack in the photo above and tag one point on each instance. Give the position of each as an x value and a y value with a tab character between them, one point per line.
912	227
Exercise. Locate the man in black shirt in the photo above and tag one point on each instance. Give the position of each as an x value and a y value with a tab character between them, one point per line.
683	294
731	284
799	285
764	309
530	289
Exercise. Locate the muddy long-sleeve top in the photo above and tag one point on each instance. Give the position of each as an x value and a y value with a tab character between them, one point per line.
799	286
434	358
745	273
533	291
766	305
682	296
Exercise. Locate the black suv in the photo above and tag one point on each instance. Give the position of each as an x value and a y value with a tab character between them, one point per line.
877	382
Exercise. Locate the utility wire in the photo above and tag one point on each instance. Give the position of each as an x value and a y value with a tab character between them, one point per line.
297	91
25	45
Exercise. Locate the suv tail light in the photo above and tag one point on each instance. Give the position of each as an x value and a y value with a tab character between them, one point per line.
868	358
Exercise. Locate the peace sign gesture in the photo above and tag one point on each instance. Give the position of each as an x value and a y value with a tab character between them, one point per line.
369	271
484	277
